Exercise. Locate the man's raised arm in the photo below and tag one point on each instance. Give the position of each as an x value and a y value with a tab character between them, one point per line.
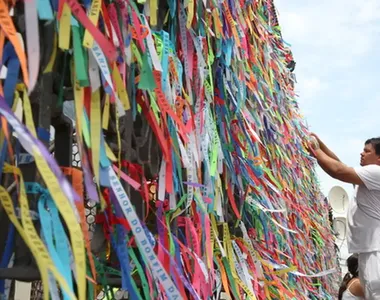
324	148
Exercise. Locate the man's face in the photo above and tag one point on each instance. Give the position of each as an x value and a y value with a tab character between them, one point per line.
369	156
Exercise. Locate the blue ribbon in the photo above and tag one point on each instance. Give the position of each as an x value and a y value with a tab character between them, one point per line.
10	59
43	134
3	157
7	254
121	250
44	9
52	228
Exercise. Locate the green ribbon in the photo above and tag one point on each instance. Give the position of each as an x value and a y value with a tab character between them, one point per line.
79	58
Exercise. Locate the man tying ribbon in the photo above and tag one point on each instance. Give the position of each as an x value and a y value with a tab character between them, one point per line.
363	235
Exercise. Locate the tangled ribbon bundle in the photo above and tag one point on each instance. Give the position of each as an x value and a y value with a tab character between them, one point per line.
192	154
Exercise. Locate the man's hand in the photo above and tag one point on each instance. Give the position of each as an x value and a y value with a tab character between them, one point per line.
312	145
312	134
314	142
323	147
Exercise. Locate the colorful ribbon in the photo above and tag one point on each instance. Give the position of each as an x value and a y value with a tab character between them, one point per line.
188	112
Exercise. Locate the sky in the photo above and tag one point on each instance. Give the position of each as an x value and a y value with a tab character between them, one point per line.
336	45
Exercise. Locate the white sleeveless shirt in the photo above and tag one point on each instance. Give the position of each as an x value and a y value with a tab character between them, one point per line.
347	295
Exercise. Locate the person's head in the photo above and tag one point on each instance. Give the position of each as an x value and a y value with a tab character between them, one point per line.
353	265
353	272
371	152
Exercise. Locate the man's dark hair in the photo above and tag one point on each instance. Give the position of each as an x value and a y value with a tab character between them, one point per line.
375	142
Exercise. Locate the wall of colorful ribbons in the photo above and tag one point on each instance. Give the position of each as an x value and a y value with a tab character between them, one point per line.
193	181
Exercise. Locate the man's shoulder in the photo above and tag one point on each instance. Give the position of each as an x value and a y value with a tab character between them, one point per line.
368	169
371	167
370	176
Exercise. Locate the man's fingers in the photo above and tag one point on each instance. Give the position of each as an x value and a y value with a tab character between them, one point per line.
315	142
311	150
309	147
314	135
